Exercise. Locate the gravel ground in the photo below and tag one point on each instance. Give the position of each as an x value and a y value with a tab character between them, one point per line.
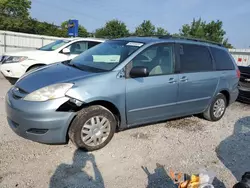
138	157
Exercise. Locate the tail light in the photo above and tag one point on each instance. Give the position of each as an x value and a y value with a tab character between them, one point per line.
238	73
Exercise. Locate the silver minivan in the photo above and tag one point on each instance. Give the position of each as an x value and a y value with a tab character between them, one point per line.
120	84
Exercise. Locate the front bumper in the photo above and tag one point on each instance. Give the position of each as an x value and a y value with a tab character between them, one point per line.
244	96
38	121
13	70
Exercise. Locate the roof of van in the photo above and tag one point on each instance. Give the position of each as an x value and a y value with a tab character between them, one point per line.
155	39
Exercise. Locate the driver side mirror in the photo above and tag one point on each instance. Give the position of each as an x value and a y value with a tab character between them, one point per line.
139	71
66	51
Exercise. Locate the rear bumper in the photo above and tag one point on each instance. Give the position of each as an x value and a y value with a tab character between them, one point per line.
233	96
38	121
244	96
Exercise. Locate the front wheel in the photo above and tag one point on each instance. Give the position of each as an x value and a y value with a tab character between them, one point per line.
92	128
217	108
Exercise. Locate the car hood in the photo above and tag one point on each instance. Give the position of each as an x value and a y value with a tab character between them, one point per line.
32	54
51	74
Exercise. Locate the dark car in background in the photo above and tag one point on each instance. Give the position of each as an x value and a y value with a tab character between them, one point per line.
244	84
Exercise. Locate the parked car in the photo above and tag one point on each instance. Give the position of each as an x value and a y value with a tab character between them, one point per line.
15	64
120	84
244	84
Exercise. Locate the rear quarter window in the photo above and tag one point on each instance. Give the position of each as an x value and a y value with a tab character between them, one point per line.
222	59
92	44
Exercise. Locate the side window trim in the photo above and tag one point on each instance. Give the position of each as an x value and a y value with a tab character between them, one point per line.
128	67
177	58
212	57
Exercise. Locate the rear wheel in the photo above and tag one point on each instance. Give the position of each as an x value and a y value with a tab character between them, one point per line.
217	108
92	128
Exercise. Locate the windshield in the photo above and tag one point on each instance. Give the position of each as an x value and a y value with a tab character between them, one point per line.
107	55
54	45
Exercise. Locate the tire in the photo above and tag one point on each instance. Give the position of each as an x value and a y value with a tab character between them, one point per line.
210	114
91	120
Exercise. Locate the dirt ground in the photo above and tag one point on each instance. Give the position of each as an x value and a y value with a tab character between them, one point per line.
138	157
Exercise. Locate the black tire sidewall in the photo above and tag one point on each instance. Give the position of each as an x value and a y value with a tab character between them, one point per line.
219	96
84	115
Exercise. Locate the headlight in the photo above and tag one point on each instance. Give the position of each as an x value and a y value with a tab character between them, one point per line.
2	58
15	59
50	92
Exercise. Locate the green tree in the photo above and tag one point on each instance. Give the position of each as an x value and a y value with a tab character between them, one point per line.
145	29
64	25
82	31
29	25
100	33
212	31
113	29
161	31
195	29
227	44
15	8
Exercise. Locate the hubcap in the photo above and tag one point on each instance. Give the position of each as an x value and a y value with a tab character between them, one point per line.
219	108
95	131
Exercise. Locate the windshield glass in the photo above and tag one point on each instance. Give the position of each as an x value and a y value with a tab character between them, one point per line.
54	45
107	55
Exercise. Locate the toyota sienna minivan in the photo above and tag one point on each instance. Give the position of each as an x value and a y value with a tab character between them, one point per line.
120	84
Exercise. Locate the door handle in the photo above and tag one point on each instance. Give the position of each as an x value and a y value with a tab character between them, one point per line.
171	81
184	79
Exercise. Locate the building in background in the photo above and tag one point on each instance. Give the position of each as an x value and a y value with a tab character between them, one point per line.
241	56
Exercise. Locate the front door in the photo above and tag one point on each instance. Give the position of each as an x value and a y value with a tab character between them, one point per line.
197	79
152	98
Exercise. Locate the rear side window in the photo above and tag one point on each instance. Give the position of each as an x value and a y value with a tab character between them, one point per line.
222	59
92	44
195	58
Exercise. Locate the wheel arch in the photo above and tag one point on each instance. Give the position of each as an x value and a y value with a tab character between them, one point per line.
68	106
107	104
34	65
226	94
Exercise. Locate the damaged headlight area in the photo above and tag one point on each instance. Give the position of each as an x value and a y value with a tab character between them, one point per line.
49	92
72	105
76	102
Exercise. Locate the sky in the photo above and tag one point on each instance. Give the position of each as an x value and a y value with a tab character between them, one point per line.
169	14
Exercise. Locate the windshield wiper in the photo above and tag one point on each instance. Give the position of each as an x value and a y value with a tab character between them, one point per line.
71	64
83	67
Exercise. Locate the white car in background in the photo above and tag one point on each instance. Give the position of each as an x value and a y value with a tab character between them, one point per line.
16	64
